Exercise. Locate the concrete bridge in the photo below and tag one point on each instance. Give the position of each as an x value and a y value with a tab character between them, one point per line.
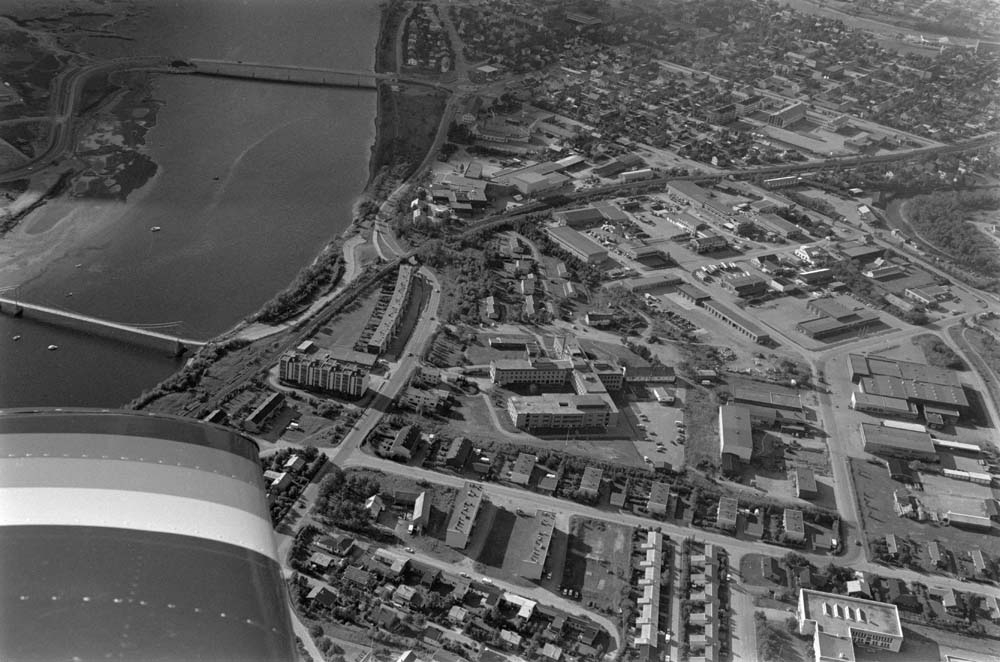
114	330
296	75
281	73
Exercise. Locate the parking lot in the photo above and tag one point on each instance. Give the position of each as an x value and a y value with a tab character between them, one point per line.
663	439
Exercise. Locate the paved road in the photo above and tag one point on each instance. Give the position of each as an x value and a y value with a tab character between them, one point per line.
533	592
64	104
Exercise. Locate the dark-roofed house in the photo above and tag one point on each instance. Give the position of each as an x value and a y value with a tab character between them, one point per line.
458	452
406	443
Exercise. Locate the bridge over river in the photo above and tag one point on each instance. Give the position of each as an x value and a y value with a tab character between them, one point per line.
284	73
115	330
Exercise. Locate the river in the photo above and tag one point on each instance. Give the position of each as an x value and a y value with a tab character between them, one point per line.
252	179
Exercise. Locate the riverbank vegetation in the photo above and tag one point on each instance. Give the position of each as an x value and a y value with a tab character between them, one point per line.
942	219
324	273
408	120
190	375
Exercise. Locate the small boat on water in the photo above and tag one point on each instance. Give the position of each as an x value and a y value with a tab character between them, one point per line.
155	228
53	347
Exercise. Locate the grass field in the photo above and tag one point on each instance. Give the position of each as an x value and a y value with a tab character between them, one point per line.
701	416
597	562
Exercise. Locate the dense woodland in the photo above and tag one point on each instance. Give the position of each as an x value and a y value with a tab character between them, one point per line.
942	219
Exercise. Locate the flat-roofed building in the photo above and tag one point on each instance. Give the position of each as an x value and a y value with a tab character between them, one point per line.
881	440
771	399
735	432
521	470
708	243
267	408
795	528
421	511
322	371
693	294
774	224
540	537
659	498
935	389
835	318
583	218
727	513
540	370
590	484
737	321
463	515
745	286
562	411
392	316
883	405
577	244
788	115
837	623
805	483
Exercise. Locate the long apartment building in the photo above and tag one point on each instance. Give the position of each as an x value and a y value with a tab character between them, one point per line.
322	371
533	370
463	515
533	565
560	411
647	621
392	317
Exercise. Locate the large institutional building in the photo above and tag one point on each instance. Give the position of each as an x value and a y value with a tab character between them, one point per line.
936	393
133	535
838	623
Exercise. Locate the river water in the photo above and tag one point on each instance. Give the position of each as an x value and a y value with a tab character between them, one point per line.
253	178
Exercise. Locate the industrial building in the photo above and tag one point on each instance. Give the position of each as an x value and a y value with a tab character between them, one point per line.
883	405
786	401
737	321
577	244
838	623
464	514
894	442
788	115
935	391
835	319
120	523
735	433
804	483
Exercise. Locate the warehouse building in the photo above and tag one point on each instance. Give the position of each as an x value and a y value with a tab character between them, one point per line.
893	442
937	392
770	399
882	405
737	321
577	244
735	433
835	319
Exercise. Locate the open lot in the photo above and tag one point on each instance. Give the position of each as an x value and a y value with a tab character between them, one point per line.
662	442
343	331
785	313
941	494
701	416
875	498
598	562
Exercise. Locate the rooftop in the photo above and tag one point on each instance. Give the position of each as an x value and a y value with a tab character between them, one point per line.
592	479
836	615
735	432
463	516
896	438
